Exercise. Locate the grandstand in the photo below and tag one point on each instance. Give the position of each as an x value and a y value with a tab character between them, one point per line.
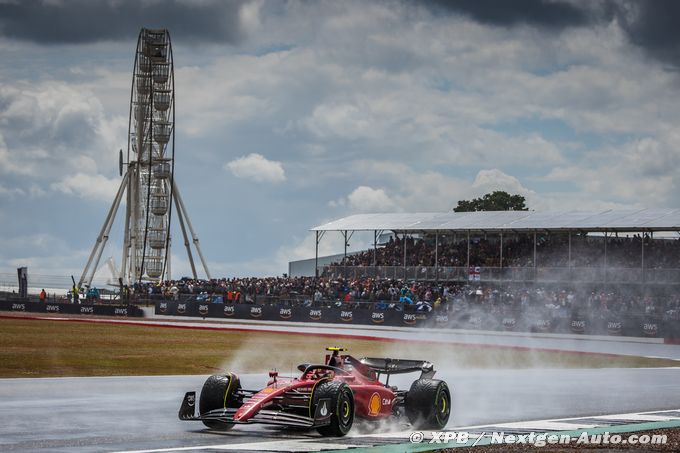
614	246
597	273
601	273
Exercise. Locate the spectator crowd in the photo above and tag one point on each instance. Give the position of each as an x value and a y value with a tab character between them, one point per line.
440	296
518	251
450	296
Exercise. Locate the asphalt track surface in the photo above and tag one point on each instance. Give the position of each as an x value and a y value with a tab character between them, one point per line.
140	413
647	347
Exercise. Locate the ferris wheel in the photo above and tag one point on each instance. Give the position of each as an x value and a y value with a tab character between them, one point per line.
149	182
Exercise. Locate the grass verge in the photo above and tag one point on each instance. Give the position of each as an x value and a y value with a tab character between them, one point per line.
47	348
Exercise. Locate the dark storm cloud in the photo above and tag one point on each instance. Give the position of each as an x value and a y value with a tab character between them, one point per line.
653	26
84	21
542	13
649	24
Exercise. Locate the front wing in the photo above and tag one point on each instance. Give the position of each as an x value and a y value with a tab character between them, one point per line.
187	412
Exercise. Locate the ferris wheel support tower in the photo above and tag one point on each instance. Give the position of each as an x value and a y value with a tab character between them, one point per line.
148	183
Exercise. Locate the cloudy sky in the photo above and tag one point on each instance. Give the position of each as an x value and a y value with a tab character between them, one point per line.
293	113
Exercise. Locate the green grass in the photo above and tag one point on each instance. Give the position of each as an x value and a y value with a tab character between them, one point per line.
46	348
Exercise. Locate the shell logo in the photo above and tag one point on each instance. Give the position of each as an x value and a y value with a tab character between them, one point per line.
374	404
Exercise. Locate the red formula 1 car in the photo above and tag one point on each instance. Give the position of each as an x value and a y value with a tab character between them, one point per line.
326	397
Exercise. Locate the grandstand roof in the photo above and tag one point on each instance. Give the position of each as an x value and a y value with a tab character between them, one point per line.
609	220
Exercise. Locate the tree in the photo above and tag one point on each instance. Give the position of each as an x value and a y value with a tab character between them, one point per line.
494	201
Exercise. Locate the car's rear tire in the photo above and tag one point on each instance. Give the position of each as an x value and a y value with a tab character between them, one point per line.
428	404
341	406
219	392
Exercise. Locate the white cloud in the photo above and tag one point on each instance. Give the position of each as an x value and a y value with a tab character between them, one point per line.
88	186
249	16
368	199
11	192
413	191
345	121
490	180
258	168
47	129
642	172
339	203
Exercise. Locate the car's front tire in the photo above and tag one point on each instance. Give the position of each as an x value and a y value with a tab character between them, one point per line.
341	407
428	404
219	392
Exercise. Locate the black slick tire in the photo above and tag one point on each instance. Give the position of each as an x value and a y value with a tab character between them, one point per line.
341	406
428	404
219	393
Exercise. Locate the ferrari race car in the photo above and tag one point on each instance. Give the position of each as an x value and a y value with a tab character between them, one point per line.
326	397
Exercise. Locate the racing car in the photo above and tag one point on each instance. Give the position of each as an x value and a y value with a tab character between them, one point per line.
326	396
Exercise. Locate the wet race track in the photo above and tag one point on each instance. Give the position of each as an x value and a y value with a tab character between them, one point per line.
140	413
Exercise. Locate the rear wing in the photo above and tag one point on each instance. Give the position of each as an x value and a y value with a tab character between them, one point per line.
399	366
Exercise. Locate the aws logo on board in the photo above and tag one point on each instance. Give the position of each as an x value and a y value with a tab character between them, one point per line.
543	325
578	325
315	315
19	307
650	329
285	313
181	308
203	309
475	322
86	310
378	317
52	308
442	319
120	312
509	323
409	318
229	310
614	327
163	307
255	312
346	315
